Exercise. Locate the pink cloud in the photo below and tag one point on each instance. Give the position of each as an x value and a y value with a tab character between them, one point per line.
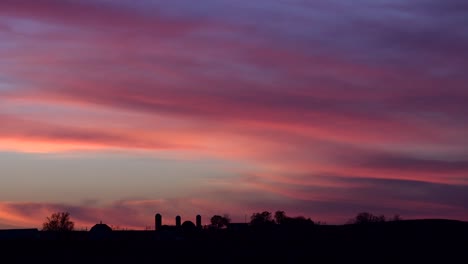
89	14
85	75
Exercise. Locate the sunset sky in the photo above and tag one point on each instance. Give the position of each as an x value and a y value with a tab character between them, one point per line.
118	110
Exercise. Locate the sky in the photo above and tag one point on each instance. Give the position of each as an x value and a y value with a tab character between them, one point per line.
117	110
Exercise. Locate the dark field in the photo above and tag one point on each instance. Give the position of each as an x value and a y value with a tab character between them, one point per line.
421	241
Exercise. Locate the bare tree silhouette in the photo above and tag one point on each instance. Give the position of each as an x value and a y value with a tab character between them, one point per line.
59	221
365	218
396	217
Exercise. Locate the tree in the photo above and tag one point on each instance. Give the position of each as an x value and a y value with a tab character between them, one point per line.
300	221
58	222
396	217
365	218
280	217
219	222
261	219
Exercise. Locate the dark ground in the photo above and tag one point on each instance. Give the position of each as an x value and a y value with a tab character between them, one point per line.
429	241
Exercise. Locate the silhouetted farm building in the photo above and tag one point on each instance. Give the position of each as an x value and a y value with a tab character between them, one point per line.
188	227
100	231
178	223
177	231
158	222
198	221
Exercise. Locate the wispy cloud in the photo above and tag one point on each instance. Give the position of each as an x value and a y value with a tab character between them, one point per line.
367	91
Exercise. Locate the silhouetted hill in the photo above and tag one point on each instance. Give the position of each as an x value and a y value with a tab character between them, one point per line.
409	241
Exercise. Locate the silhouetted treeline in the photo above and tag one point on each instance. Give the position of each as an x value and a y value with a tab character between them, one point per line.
406	241
266	238
366	218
